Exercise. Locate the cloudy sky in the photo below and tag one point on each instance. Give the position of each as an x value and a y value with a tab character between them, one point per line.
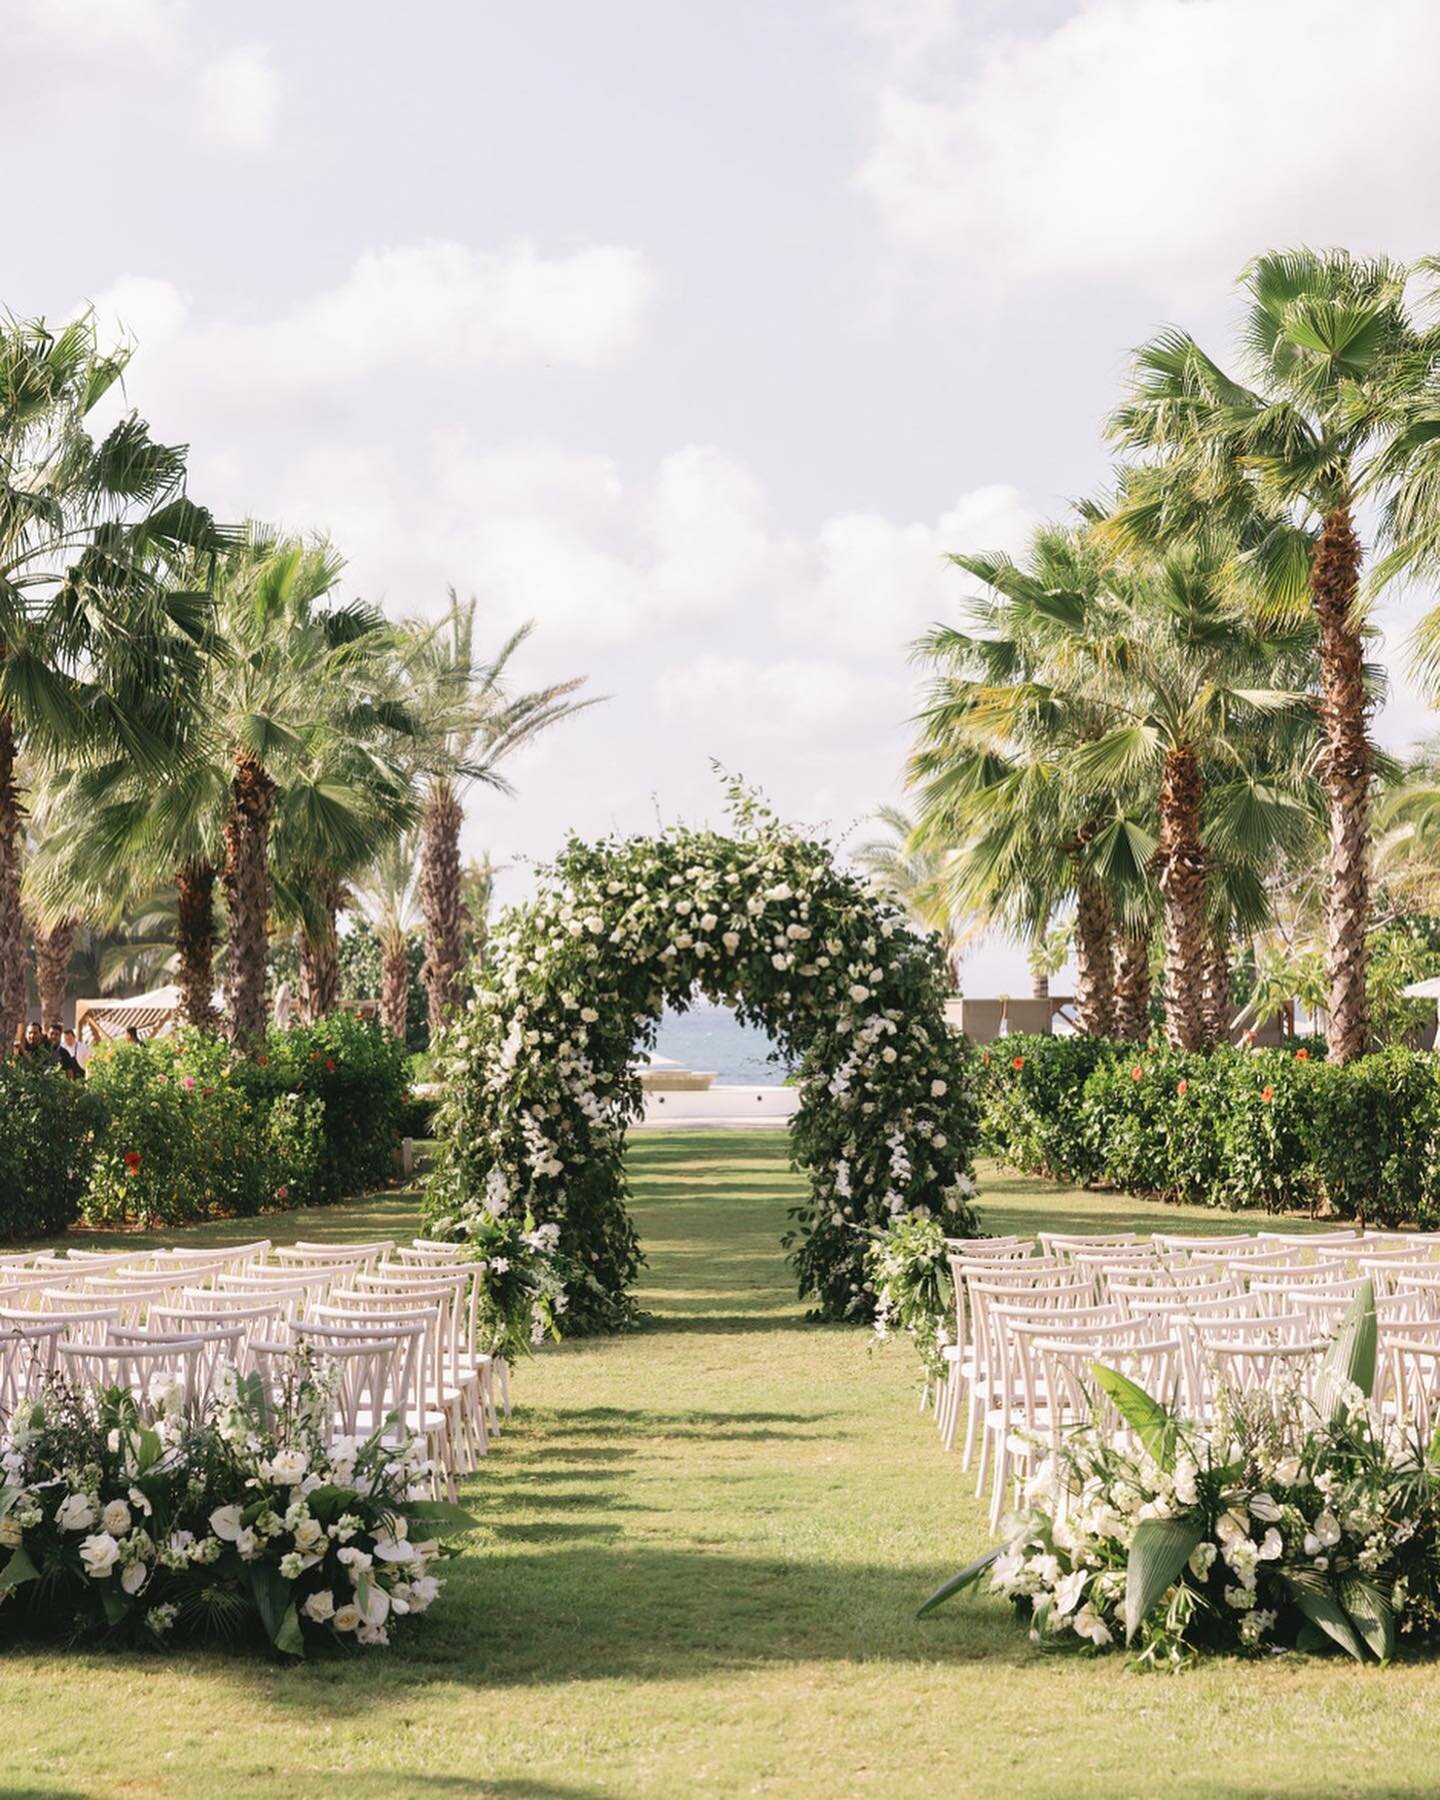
697	333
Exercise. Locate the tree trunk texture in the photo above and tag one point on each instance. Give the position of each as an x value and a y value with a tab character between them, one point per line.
1218	1005
395	987
441	902
12	923
1132	987
1180	873
320	956
195	942
247	897
1094	959
1346	767
52	970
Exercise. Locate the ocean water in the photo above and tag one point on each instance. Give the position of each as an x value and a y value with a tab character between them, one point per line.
711	1037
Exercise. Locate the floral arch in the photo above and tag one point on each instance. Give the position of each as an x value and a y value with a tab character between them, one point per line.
538	1077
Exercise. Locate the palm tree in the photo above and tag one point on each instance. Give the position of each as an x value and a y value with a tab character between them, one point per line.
387	897
101	646
300	734
468	723
1342	408
911	875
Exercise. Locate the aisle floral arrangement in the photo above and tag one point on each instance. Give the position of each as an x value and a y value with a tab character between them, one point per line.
1290	1523
245	1526
908	1268
524	1277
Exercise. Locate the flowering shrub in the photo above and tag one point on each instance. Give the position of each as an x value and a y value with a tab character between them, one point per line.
243	1526
1270	1129
47	1131
525	1280
910	1277
537	1070
187	1136
1290	1522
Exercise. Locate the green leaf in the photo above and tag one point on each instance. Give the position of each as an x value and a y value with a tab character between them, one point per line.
1158	1555
18	1570
327	1503
289	1640
1152	1423
1351	1357
147	1449
115	1601
967	1577
1371	1616
1322	1609
274	1597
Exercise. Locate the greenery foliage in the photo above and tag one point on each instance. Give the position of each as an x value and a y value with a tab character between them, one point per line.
47	1133
538	1076
1273	1130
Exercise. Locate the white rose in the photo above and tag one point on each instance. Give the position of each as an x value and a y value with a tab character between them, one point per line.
709	922
99	1555
782	892
75	1513
859	993
225	1523
938	1089
346	1617
377	1607
589	1016
320	1607
308	1534
731	941
115	1518
288	1467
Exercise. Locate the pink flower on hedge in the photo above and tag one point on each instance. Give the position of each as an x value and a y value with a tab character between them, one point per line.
188	1084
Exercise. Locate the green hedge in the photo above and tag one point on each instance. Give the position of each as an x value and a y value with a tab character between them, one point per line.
191	1130
1273	1130
48	1127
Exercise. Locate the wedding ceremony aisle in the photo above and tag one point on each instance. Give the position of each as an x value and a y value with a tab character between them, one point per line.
701	1551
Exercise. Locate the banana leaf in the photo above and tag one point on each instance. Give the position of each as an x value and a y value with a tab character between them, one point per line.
1351	1356
1151	1422
967	1577
1158	1555
1371	1616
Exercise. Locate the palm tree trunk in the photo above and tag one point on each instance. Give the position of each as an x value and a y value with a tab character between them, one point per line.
395	986
1094	959
1132	987
247	897
195	942
1344	709
1218	1004
52	970
12	923
441	902
1180	872
320	956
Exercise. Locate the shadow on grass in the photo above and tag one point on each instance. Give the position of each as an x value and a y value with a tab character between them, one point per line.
647	1426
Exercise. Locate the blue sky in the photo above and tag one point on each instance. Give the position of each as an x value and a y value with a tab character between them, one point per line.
698	333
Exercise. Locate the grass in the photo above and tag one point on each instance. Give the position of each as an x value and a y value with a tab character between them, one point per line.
702	1551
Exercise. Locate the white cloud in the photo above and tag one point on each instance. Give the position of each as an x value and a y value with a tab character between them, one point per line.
99	28
237	99
438	306
748	700
1155	140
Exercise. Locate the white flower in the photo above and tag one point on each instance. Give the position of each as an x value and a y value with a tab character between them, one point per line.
1287	1471
308	1535
288	1467
75	1512
859	993
391	1546
366	1633
782	892
134	1576
377	1607
1272	1546
1088	1624
1264	1508
99	1554
1231	1526
293	1565
589	1016
225	1523
1202	1558
709	922
140	1503
1186	1492
423	1593
248	1544
938	1089
731	941
346	1618
115	1518
1068	1591
320	1607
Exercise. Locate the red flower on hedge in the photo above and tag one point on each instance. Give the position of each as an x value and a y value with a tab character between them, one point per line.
330	1065
1019	1063
132	1162
1137	1073
282	1193
262	1060
1302	1056
987	1059
1267	1094
1182	1088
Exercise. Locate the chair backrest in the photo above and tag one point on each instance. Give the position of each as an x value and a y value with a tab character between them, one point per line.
1067	1363
27	1358
220	1345
370	1372
147	1370
370	1251
81	1323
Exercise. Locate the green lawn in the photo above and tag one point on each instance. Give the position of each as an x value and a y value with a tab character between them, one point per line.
703	1548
